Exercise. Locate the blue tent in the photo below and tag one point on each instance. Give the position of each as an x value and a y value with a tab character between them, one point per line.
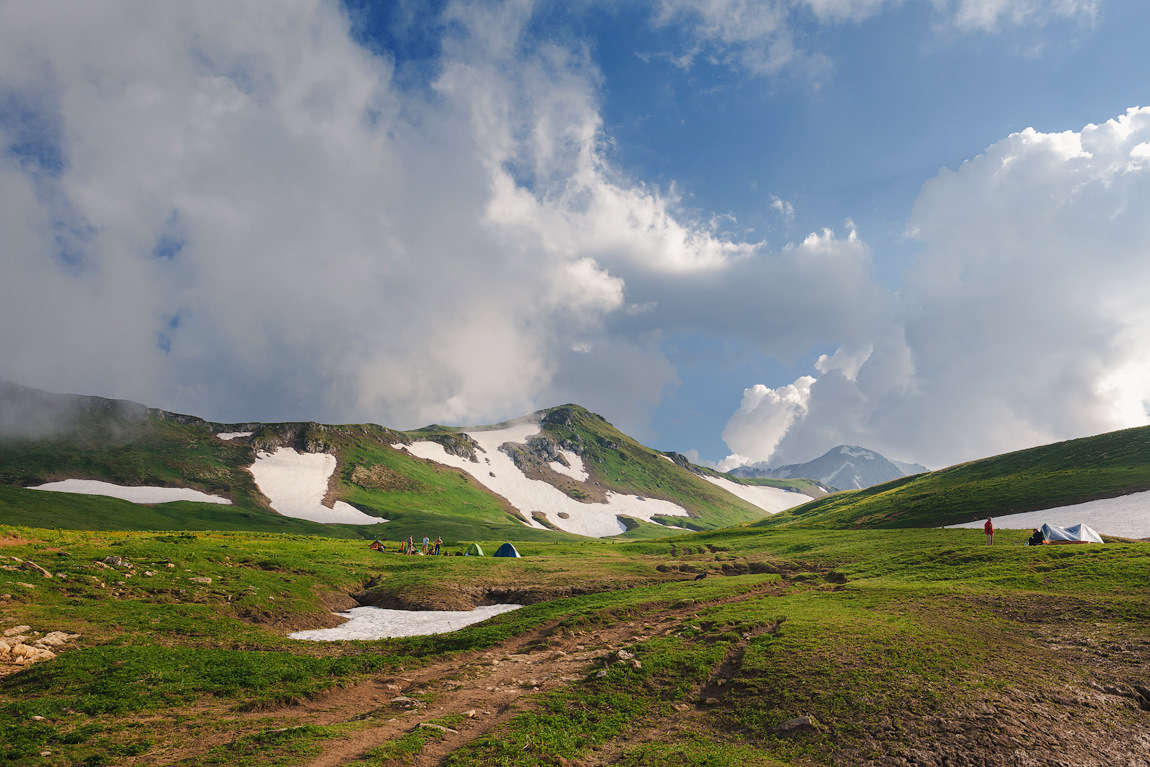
507	550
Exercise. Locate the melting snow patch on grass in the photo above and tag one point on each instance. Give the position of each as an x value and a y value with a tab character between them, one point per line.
496	471
226	435
133	494
1127	516
380	623
769	499
296	483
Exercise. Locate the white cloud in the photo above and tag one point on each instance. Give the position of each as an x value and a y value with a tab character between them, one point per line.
785	209
993	15
238	213
764	417
1022	321
764	37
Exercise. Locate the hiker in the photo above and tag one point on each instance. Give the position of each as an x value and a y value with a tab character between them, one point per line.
426	542
1037	539
410	545
438	543
988	528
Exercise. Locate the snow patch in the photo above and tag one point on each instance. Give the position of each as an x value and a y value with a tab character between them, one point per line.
226	435
596	520
857	452
1127	516
575	468
770	499
379	623
829	479
296	483
133	494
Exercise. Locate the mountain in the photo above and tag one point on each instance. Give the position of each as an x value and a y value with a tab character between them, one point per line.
556	473
1061	474
845	467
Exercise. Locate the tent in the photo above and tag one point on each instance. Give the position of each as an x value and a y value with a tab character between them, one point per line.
1079	533
474	550
507	550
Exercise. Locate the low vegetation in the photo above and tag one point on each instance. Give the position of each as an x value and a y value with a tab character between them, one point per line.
1044	477
796	647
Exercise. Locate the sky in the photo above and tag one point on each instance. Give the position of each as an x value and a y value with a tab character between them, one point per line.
743	231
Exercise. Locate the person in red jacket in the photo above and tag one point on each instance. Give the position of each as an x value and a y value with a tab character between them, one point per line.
989	529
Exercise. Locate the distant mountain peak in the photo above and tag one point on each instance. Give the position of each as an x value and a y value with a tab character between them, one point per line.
844	467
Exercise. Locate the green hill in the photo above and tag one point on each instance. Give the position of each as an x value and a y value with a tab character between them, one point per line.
1076	471
47	437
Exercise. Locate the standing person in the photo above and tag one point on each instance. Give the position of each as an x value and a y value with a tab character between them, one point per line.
438	543
988	528
426	541
410	545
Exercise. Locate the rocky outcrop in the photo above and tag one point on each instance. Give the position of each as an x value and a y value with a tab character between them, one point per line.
21	646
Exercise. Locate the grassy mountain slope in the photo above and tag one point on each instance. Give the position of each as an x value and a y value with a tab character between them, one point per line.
1079	470
619	463
128	444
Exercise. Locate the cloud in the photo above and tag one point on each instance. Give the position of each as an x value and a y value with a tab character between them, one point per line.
217	209
1022	320
766	37
994	15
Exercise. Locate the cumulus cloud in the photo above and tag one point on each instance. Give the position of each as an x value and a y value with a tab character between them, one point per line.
1022	321
238	213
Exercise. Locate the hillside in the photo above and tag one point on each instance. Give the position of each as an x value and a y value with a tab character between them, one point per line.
1079	470
562	471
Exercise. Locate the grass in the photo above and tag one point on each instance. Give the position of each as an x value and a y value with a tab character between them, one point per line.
1065	473
854	628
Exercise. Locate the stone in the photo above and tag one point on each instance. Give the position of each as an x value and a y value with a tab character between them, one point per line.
439	727
35	568
798	724
201	579
17	630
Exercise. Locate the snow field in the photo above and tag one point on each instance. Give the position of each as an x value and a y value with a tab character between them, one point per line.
1127	516
595	520
296	483
379	623
770	499
133	494
575	470
226	435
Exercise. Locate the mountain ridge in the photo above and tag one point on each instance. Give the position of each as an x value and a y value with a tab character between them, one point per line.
573	463
836	469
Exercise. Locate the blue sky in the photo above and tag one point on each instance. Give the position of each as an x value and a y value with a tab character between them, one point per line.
743	231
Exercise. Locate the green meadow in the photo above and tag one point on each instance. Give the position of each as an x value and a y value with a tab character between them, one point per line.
881	639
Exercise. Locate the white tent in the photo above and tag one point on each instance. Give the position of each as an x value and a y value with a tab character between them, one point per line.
1079	533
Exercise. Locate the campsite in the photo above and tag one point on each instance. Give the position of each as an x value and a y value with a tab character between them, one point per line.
844	629
802	647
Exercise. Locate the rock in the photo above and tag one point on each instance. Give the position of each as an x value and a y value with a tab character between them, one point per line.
601	673
440	727
470	713
55	639
17	630
798	724
33	567
624	655
404	702
201	579
116	561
